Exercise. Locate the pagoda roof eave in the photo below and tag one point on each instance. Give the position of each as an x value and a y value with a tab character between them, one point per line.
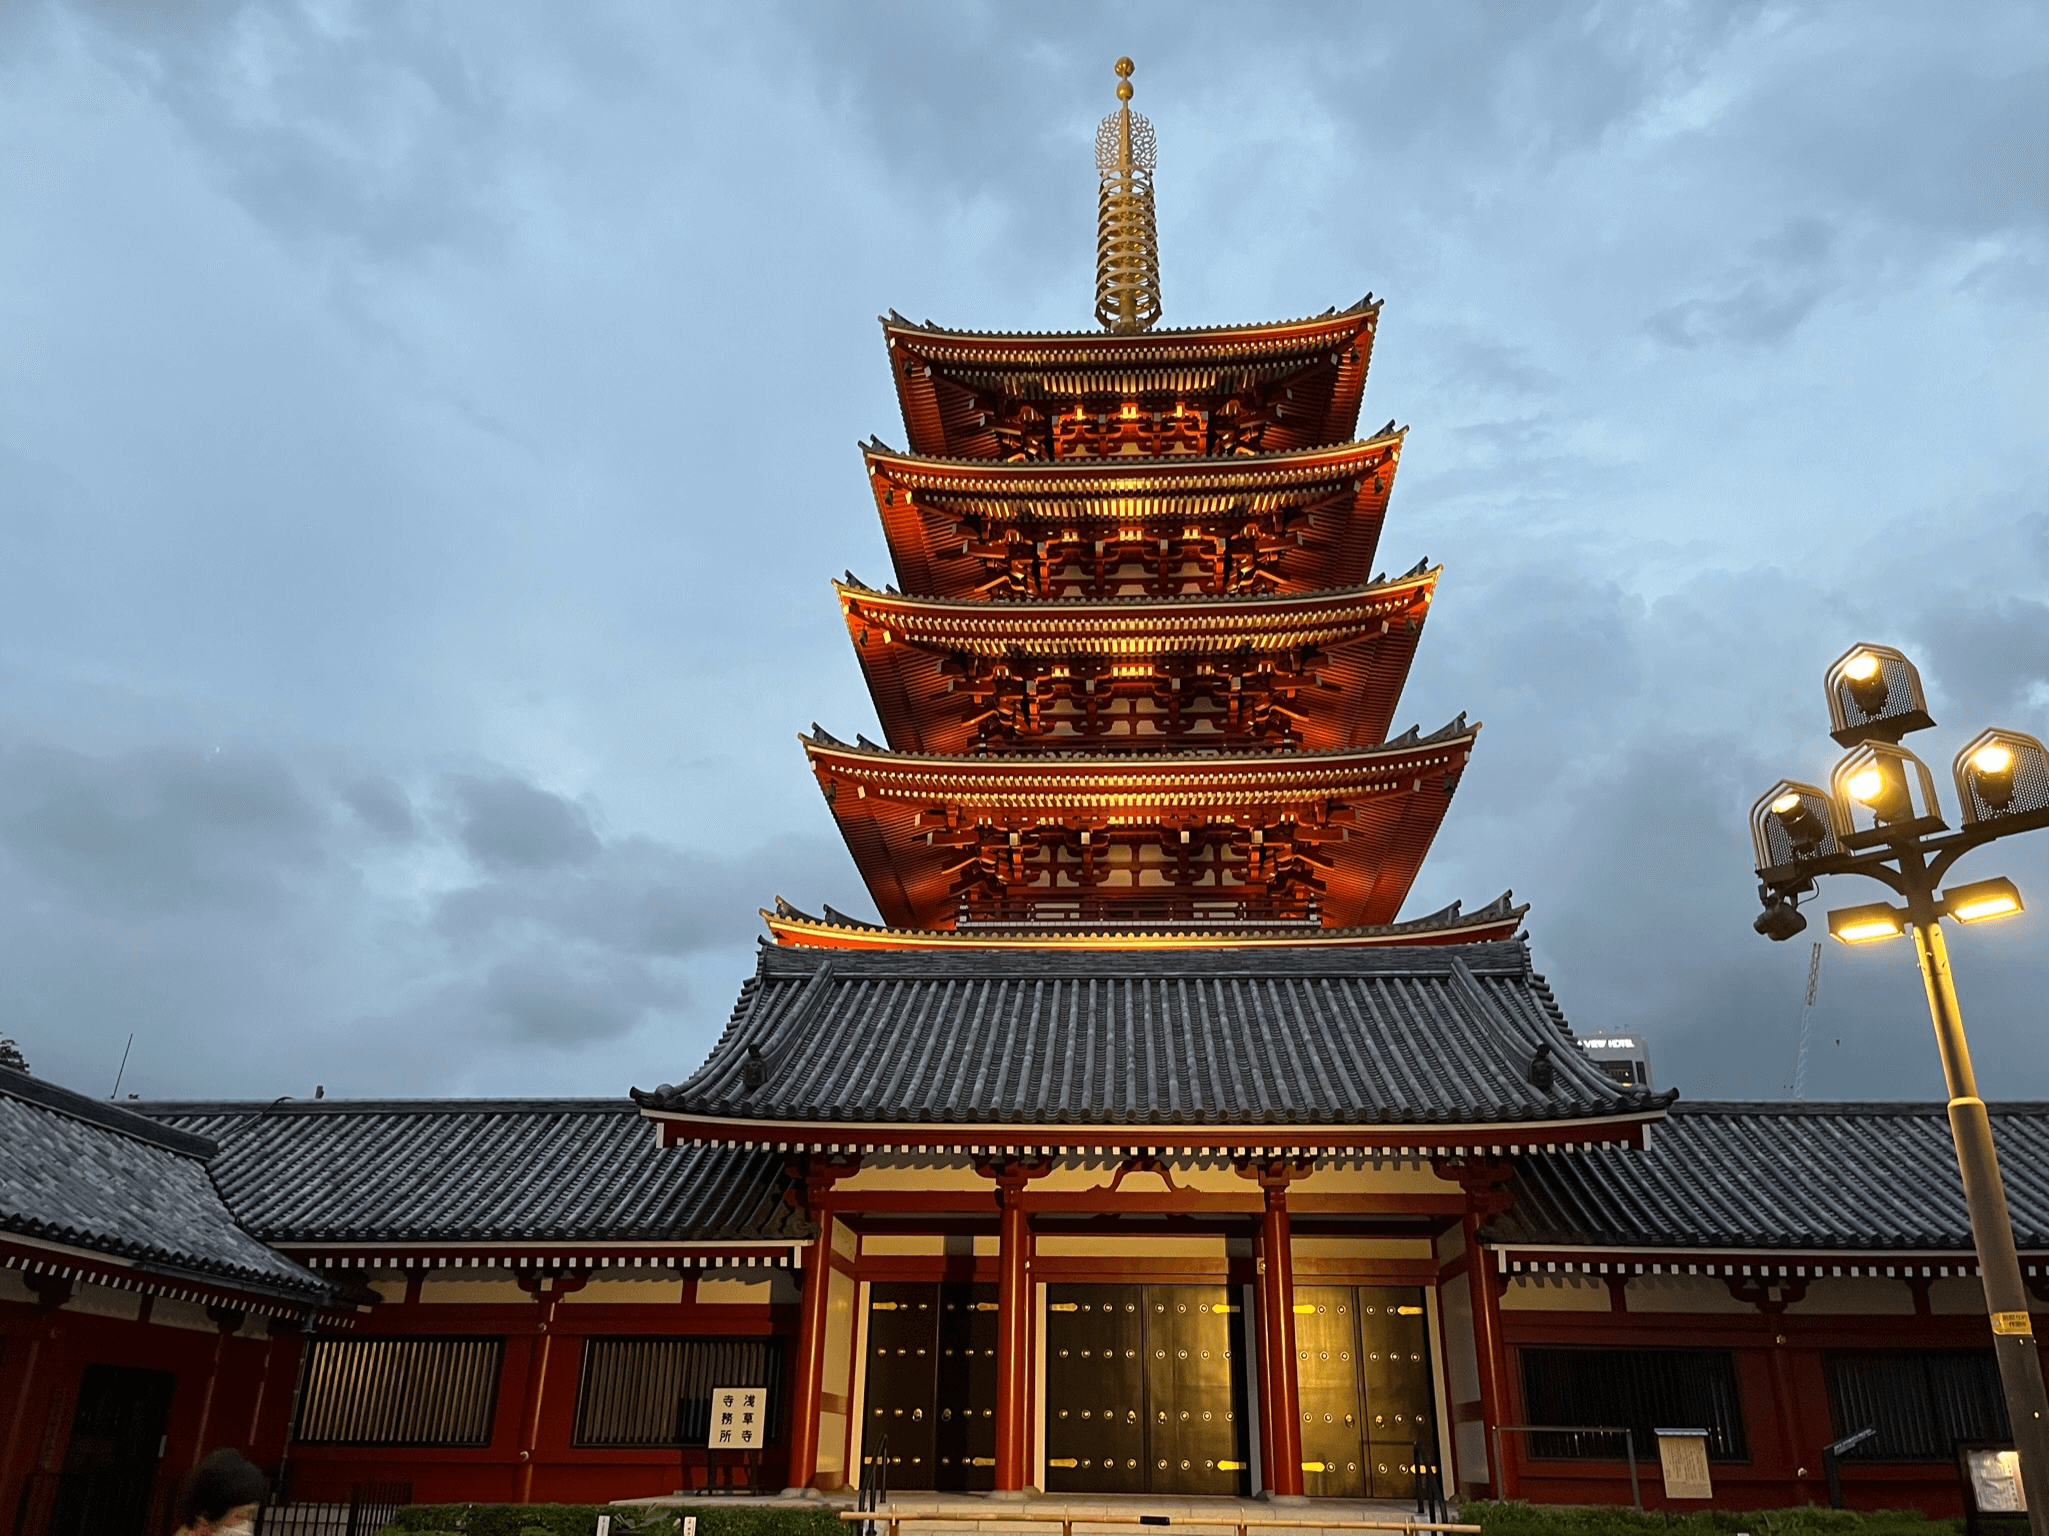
1497	921
1166	768
1182	620
1187	472
1117	345
1371	811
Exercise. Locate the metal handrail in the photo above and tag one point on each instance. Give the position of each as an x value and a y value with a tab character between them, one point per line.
1628	1443
1068	1520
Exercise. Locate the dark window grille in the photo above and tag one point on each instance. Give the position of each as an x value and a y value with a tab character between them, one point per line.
1644	1390
1921	1402
438	1391
643	1391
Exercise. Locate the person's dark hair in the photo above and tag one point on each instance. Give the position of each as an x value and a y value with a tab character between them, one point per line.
224	1481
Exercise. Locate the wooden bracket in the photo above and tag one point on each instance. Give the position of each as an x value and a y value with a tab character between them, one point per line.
1011	1175
1759	1292
812	1176
1144	1164
1485	1181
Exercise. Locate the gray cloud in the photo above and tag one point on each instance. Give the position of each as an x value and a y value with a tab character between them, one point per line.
507	822
447	416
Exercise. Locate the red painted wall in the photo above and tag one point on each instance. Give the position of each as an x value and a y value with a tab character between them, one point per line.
562	1472
251	1396
1785	1407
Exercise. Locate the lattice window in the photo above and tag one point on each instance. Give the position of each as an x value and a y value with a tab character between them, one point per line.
1643	1390
642	1391
437	1391
1922	1402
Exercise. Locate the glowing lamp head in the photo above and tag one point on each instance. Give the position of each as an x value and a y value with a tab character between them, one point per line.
1994	757
1868	785
1866	925
1803	828
1983	899
1991	774
1989	906
1864	675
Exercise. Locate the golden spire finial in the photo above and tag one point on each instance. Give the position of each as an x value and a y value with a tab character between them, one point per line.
1127	243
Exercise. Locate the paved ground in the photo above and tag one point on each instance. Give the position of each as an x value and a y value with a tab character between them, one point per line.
1101	1514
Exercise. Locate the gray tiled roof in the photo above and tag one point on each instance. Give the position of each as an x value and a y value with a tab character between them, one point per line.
1284	1036
93	1176
479	1170
1807	1176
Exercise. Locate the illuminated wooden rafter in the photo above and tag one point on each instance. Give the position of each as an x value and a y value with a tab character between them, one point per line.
1286	522
1215	390
1196	837
1316	670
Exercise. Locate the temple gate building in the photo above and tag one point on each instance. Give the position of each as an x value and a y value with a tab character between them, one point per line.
1141	1147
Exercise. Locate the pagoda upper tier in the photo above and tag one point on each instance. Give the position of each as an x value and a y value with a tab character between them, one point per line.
1315	670
1203	837
1214	391
1294	521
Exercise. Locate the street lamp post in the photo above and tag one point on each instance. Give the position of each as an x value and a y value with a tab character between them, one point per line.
1880	817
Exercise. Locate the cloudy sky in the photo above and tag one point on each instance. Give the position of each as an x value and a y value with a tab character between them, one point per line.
427	432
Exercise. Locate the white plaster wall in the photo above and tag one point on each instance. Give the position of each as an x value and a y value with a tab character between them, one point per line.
1556	1293
1132	1247
105	1301
173	1313
1360	1247
1684	1293
1955	1296
1462	1361
776	1287
653	1291
485	1290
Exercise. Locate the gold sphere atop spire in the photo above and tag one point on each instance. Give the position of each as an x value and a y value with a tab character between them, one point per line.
1127	244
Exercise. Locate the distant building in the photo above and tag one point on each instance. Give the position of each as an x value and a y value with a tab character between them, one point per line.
1626	1058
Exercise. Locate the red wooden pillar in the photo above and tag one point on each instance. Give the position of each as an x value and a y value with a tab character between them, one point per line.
1485	1182
818	1175
811	1355
1013	1321
1280	1397
225	1320
1490	1354
51	1293
547	1292
1013	1342
1279	1390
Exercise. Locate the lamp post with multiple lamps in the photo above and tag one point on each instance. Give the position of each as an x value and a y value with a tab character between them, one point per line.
1880	817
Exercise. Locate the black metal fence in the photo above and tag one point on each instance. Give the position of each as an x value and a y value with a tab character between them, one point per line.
371	1507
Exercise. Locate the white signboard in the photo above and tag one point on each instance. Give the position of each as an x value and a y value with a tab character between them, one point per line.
1684	1461
736	1418
1996	1482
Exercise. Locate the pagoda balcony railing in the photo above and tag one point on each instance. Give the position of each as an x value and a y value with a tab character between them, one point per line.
1167	909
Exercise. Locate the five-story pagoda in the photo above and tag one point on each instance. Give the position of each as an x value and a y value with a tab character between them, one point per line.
1135	679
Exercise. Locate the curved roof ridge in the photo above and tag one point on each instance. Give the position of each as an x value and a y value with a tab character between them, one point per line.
1279	458
1456	728
896	322
1013	607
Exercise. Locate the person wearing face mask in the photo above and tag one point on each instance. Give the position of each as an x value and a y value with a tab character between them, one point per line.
221	1497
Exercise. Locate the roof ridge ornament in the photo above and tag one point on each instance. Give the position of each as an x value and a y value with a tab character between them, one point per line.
1127	239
